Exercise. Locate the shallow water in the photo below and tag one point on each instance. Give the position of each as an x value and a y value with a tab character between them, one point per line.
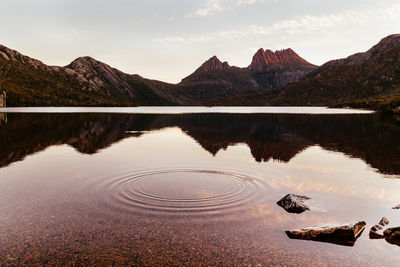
193	189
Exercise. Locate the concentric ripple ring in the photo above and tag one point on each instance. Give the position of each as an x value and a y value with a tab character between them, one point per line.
181	191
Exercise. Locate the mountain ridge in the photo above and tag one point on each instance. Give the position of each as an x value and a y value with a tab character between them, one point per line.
265	60
217	79
361	57
369	79
87	81
84	82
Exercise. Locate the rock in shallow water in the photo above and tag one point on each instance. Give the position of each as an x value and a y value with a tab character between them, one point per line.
373	233
342	234
396	207
294	203
392	235
384	221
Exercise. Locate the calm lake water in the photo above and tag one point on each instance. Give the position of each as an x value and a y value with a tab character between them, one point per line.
193	186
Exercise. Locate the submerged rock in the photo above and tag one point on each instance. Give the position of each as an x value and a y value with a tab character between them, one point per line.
375	235
342	234
384	221
373	232
392	235
294	203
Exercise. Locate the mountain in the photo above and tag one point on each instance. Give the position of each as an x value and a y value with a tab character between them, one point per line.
370	79
286	59
84	82
89	82
274	69
216	79
359	58
210	65
111	81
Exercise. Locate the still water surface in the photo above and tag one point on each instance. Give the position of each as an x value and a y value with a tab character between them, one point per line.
193	188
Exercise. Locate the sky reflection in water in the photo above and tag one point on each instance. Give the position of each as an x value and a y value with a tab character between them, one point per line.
102	188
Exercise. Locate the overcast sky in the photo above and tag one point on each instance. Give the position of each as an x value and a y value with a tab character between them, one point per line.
169	39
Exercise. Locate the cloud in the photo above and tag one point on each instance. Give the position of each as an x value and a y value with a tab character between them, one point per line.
301	25
212	7
215	6
248	2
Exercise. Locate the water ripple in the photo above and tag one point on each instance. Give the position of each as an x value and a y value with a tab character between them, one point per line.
181	191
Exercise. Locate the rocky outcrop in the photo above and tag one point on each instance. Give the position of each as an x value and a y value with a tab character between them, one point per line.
279	68
294	203
392	235
262	60
384	221
374	232
342	234
213	64
99	75
267	60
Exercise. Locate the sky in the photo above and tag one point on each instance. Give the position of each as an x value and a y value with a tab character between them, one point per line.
168	39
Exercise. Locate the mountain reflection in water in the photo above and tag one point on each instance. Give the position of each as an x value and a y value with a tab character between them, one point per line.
269	136
161	190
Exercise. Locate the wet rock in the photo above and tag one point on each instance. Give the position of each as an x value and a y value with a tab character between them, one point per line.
392	235
373	232
377	227
396	207
384	221
375	235
342	234
294	203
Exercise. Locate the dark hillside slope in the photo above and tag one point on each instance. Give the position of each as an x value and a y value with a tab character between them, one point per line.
85	82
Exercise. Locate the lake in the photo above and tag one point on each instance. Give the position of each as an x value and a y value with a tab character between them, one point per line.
193	186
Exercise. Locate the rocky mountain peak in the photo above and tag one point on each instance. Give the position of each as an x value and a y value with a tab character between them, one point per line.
99	74
213	64
86	63
265	60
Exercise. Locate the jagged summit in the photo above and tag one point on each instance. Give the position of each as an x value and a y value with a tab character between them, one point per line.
213	64
265	60
86	63
268	70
